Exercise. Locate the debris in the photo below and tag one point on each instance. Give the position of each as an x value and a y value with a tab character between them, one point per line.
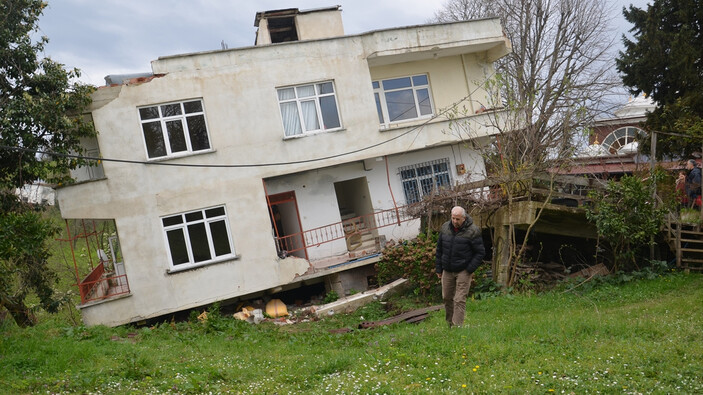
350	303
282	321
409	317
242	315
253	316
597	270
203	317
276	308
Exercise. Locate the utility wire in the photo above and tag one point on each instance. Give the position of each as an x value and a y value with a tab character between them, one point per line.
242	165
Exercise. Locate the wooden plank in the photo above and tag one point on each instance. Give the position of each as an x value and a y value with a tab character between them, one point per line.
408	316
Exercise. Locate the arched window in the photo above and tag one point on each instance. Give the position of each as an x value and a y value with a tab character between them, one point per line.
621	137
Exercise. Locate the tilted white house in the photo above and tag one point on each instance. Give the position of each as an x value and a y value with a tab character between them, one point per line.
257	169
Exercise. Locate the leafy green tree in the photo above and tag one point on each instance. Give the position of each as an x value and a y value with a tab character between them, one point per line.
41	109
664	59
626	217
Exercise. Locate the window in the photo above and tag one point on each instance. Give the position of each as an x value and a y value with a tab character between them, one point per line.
198	237
174	129
308	108
620	138
400	99
425	178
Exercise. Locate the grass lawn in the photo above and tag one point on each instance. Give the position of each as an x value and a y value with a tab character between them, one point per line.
645	336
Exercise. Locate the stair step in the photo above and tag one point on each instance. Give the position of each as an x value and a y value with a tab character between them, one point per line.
686	232
366	236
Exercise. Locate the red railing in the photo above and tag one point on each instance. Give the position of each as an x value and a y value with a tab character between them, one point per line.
100	285
91	282
344	229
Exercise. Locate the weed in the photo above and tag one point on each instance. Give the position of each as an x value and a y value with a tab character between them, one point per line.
330	297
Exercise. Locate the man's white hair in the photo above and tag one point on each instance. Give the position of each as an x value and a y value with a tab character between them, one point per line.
460	210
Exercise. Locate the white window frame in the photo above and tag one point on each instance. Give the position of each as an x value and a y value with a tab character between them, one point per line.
410	175
421	92
298	127
163	121
184	224
620	137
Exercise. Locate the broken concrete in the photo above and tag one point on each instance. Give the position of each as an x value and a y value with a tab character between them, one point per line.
353	302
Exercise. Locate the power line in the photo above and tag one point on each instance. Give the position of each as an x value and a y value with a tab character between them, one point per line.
242	165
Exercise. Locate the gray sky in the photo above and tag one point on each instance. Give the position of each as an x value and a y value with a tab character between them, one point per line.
102	37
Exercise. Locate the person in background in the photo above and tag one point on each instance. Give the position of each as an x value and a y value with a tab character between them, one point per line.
681	189
460	252
693	182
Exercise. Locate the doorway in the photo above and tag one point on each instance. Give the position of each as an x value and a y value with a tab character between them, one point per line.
285	221
356	211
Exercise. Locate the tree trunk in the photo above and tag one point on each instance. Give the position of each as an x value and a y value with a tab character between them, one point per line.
19	312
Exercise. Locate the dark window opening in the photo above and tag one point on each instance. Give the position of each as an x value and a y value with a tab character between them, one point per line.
282	29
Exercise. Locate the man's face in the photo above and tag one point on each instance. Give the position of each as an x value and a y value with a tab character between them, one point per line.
457	219
689	166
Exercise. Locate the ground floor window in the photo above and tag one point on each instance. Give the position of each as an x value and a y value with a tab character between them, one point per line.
198	237
425	178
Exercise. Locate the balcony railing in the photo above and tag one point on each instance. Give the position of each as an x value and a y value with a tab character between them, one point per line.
344	229
100	285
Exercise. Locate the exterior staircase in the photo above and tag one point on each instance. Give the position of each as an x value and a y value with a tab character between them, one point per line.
686	240
361	240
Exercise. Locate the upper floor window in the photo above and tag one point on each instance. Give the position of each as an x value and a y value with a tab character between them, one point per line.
423	179
308	108
400	99
621	139
198	237
174	129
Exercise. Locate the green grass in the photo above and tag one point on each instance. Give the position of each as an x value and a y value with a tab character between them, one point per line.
640	337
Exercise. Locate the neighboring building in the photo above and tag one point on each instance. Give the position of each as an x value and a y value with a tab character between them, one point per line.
262	168
613	149
37	193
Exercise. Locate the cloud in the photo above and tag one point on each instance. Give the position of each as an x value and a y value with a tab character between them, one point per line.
123	36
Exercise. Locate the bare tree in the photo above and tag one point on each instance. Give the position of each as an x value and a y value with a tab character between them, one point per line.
560	73
550	88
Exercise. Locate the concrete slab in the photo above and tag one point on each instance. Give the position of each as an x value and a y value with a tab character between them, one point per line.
353	302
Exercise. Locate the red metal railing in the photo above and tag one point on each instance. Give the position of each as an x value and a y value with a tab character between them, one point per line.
98	284
344	229
101	285
90	282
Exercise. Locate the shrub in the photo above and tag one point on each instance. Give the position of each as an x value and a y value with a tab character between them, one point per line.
411	259
626	217
483	286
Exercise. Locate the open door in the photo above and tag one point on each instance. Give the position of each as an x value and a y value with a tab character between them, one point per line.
285	221
356	211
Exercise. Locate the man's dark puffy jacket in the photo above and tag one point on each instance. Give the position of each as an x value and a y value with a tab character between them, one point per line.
460	250
693	183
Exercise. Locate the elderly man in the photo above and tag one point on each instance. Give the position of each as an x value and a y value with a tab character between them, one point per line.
459	253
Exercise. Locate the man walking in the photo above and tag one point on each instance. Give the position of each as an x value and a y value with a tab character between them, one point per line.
459	253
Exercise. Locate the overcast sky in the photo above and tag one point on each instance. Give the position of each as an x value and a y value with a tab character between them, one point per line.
102	37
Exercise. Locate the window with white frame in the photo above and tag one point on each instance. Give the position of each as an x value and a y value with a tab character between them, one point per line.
198	237
424	179
174	129
400	99
620	138
308	108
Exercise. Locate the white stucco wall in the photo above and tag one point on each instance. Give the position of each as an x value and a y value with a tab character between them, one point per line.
238	89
